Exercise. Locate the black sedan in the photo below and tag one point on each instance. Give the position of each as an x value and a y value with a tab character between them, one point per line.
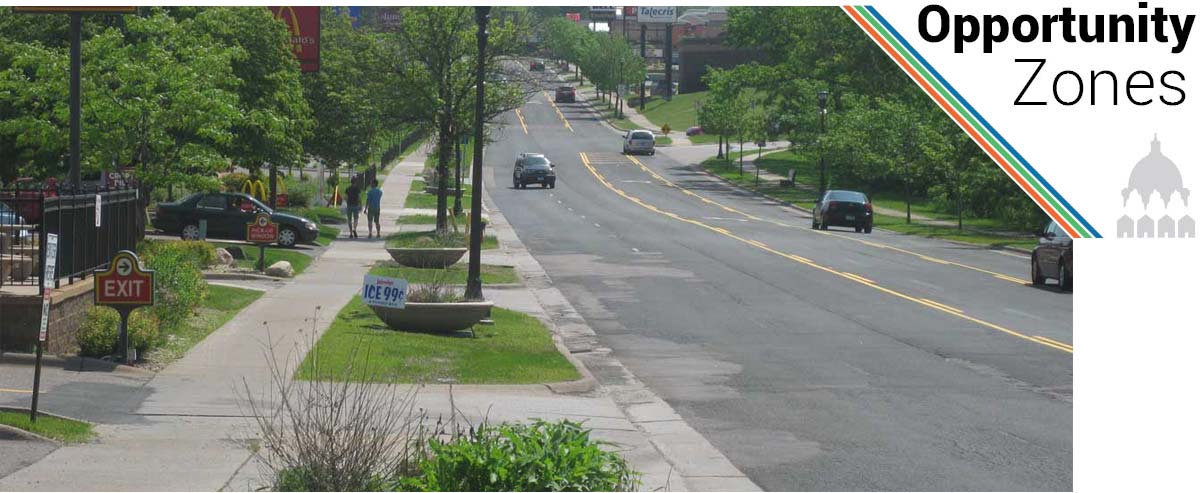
533	168
1053	258
844	208
226	215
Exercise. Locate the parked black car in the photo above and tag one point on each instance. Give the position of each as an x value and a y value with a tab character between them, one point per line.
536	66
1052	258
844	208
226	215
564	94
533	168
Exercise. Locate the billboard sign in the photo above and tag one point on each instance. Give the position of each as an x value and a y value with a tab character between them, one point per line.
304	25
656	15
602	14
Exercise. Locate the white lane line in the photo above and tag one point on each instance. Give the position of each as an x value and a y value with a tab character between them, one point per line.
596	225
635	250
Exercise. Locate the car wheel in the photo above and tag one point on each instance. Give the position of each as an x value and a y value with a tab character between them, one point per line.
523	186
1064	279
287	237
544	185
515	184
858	229
190	232
1036	272
651	153
867	229
814	222
824	227
552	185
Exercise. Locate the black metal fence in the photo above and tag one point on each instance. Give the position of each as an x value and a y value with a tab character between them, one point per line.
28	216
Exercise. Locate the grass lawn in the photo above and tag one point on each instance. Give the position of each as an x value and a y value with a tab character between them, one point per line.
704	139
518	349
729	171
456	274
662	140
419	219
404	240
952	233
297	258
679	112
418	199
63	430
222	303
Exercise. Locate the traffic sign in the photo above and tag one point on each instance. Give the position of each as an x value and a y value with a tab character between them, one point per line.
262	230
124	283
47	277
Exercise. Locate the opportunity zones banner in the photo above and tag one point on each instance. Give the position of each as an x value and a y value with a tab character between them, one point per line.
1091	107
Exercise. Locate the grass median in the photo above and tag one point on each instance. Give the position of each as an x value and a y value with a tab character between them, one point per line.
517	349
52	427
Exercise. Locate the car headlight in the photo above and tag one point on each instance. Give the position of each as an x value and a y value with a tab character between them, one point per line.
310	225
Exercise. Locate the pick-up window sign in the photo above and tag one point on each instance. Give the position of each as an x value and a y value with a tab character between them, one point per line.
384	291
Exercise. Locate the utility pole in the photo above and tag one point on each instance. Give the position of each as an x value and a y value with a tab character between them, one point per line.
822	100
668	55
474	290
74	103
642	83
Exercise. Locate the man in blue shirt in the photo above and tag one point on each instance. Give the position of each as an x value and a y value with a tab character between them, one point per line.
374	196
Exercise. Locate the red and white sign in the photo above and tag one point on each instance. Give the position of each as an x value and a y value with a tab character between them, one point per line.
304	25
124	283
262	230
575	16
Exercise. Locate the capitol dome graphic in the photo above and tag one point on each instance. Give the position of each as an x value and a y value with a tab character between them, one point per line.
1162	218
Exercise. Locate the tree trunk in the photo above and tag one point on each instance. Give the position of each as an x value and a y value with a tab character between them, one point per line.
720	139
443	171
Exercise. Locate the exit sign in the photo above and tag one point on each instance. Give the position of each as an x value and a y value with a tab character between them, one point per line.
124	283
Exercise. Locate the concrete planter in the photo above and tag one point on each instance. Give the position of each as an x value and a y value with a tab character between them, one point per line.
427	258
434	317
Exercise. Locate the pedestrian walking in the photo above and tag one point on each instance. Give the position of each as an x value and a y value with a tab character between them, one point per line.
353	206
374	198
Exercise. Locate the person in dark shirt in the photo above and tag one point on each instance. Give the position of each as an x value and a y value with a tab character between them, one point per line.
353	206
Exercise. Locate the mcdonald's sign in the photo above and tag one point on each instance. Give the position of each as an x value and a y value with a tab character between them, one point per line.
304	25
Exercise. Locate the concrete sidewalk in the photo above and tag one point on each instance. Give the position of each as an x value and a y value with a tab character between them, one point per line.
184	428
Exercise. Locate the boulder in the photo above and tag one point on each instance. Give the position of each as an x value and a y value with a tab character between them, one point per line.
282	268
225	258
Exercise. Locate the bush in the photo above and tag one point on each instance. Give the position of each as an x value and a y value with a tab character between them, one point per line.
299	197
179	284
541	456
202	254
233	181
98	335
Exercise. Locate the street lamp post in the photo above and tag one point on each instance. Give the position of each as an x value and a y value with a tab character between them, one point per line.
474	291
822	100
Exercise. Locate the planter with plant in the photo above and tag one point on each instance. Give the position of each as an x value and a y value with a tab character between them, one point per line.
436	251
434	307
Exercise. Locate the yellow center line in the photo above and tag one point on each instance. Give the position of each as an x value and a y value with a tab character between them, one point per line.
997	275
940	305
923	302
560	113
857	277
522	120
1062	345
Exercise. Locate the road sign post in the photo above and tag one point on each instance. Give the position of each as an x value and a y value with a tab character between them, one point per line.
262	231
124	286
50	263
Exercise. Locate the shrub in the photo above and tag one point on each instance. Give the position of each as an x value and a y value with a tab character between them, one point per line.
97	335
300	197
233	181
541	456
202	254
178	283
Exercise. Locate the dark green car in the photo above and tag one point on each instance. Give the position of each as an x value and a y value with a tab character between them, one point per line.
226	216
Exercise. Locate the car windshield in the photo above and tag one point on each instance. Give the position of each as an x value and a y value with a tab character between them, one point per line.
537	161
840	196
642	136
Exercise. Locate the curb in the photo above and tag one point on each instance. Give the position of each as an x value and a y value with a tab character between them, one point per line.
806	213
13	433
239	276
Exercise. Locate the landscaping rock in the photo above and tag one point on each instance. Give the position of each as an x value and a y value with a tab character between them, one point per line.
282	268
225	258
237	253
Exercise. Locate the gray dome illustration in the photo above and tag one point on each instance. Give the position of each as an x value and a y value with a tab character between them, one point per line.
1155	172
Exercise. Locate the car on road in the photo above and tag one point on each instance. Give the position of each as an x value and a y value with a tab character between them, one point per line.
564	94
536	66
694	131
844	208
638	142
531	169
226	215
1052	258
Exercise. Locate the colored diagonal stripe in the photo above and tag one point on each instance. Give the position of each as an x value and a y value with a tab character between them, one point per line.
984	136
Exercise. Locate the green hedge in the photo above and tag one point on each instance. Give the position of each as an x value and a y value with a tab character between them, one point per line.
98	335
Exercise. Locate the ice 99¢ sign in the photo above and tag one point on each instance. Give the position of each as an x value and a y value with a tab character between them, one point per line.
384	291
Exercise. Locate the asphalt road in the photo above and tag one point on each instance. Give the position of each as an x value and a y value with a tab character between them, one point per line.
813	360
